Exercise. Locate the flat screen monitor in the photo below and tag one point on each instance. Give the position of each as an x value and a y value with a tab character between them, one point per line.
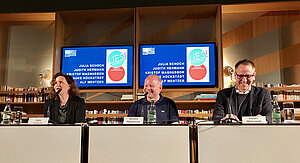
99	67
179	65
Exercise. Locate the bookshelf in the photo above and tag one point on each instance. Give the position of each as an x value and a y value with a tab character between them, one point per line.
125	115
287	94
17	92
282	88
34	109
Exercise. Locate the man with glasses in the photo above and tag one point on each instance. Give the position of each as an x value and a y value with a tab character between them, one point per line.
243	99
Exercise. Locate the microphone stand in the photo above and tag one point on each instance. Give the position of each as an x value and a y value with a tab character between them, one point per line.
143	112
48	113
229	120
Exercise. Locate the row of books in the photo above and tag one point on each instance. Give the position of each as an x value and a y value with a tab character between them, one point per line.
288	95
106	120
195	111
23	97
119	120
180	111
191	120
106	111
8	88
186	120
3	87
263	84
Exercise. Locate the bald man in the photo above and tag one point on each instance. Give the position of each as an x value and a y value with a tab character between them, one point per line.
166	110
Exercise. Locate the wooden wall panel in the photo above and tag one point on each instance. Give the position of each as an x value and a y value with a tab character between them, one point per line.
283	58
124	25
219	45
58	43
78	29
290	56
173	95
3	51
267	63
260	25
296	73
279	22
174	28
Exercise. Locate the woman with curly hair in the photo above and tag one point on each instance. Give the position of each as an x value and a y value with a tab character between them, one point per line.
64	106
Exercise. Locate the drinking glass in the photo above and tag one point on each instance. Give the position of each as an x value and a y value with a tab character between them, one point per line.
289	114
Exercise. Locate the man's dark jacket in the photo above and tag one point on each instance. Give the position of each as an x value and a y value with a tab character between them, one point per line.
259	103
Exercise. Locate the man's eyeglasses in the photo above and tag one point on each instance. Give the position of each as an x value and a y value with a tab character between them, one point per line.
240	76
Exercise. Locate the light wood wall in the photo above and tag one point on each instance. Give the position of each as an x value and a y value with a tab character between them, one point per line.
3	52
283	19
19	19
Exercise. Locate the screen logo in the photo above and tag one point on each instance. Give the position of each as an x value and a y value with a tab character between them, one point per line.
197	64
197	57
147	51
116	67
116	59
70	53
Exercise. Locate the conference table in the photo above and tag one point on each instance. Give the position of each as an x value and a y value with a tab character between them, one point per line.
248	143
139	143
40	143
150	143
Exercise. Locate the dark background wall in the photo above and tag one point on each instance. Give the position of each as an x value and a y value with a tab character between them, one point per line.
63	5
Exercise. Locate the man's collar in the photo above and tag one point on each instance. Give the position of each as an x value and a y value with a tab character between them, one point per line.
239	92
159	100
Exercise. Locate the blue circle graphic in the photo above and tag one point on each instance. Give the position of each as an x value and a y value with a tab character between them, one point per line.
116	59
197	57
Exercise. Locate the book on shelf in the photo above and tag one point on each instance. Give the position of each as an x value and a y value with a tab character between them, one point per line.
206	97
127	97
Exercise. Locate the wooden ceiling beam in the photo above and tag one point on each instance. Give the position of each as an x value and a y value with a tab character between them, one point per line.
260	7
15	17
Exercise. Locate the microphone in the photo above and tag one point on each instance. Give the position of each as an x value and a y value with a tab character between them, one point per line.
229	111
56	93
142	112
52	121
152	102
52	103
229	120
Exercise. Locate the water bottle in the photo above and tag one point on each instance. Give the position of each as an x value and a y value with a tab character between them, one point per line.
6	114
151	116
276	117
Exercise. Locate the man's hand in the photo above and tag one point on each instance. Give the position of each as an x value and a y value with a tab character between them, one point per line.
232	116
